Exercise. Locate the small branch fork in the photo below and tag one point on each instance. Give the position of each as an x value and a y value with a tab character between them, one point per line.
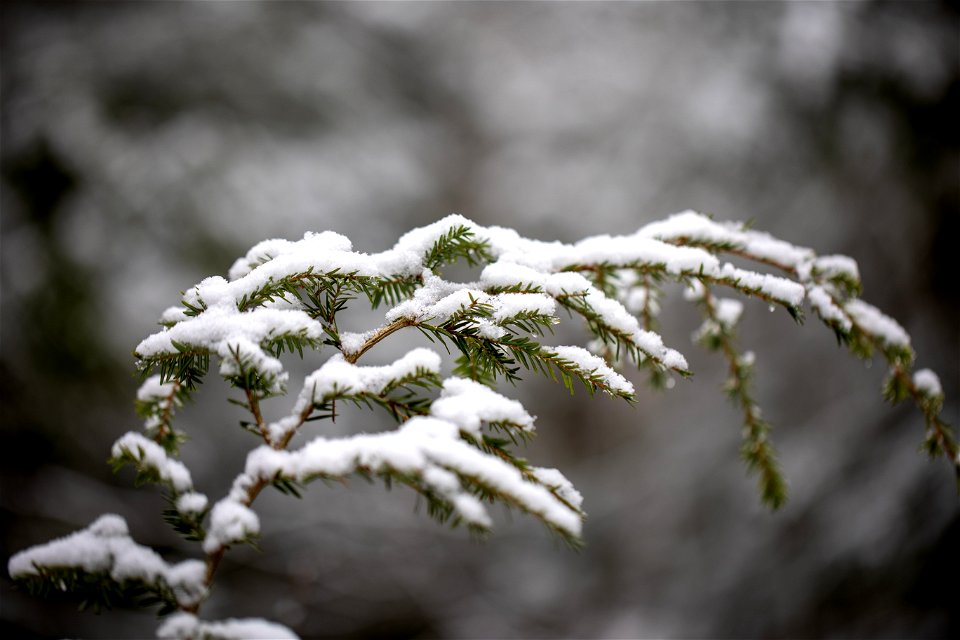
377	336
253	404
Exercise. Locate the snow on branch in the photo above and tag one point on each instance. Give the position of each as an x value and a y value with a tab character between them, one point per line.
455	439
693	229
105	566
832	285
423	454
340	379
152	461
186	626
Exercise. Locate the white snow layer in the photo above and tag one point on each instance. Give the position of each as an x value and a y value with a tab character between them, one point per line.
438	300
105	546
614	315
589	365
510	274
928	383
219	325
351	343
430	448
780	289
555	480
191	503
835	266
151	455
152	390
231	334
543	271
337	377
467	404
694	227
822	302
230	522
186	626
874	322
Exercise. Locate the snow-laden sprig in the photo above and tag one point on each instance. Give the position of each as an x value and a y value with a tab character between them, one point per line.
244	342
832	285
446	456
157	465
104	567
152	462
456	437
439	455
394	387
186	626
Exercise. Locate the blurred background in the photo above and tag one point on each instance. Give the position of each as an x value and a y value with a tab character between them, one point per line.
147	145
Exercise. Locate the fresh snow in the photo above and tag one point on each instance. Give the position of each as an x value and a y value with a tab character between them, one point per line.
511	305
437	301
151	455
555	480
230	522
928	383
636	250
614	315
780	289
823	303
267	250
830	267
337	377
152	390
506	274
421	444
589	364
876	323
106	547
225	331
191	503
186	626
468	404
219	325
694	227
351	343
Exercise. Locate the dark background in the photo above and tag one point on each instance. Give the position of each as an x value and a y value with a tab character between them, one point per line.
146	145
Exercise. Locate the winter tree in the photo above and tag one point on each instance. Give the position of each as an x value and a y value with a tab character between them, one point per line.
457	435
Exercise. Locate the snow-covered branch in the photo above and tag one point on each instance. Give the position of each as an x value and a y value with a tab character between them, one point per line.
456	436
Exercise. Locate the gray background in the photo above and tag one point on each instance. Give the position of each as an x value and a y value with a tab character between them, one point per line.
146	145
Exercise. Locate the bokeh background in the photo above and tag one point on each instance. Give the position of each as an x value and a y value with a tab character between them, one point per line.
145	145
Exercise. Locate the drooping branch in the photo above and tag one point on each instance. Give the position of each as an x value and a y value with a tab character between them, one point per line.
454	439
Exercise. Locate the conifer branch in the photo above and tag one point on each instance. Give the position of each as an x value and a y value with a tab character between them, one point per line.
643	348
833	285
717	333
453	447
